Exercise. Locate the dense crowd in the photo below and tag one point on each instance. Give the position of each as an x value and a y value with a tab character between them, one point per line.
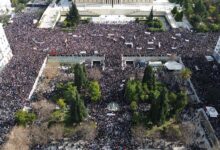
31	45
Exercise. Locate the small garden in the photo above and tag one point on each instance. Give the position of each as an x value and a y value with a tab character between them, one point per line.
65	112
153	24
155	104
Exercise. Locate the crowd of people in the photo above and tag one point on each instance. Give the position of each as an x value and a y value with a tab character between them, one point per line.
31	45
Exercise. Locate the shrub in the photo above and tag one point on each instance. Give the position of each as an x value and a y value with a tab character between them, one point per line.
23	117
195	19
135	118
19	7
95	92
179	16
214	27
155	24
58	116
133	106
174	10
155	30
202	28
61	103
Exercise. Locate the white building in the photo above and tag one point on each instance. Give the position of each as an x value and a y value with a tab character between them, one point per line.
5	6
216	53
5	50
113	1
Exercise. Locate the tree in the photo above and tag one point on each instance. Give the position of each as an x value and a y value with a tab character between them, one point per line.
195	19
212	9
61	103
179	16
23	117
172	102
72	17
77	110
151	15
202	27
130	91
200	8
214	27
19	7
179	2
135	118
185	74
143	92
154	111
181	102
164	107
80	76
188	9
149	77
94	91
159	110
133	106
174	10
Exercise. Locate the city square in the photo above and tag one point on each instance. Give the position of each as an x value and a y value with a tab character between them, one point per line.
110	48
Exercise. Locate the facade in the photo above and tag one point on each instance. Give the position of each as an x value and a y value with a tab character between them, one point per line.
216	53
112	1
5	50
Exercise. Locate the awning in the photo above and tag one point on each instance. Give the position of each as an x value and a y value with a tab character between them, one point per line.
173	65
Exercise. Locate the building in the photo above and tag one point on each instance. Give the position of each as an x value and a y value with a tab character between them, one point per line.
5	7
112	1
5	50
216	53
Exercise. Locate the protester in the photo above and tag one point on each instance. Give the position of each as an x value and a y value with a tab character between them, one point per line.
31	45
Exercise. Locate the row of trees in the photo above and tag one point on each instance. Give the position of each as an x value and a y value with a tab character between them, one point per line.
164	103
204	15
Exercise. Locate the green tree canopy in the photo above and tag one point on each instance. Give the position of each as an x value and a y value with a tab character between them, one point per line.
188	9
164	106
185	73
174	10
181	102
80	76
149	77
72	17
68	94
200	8
179	16
151	15
23	117
135	91
133	106
94	91
77	110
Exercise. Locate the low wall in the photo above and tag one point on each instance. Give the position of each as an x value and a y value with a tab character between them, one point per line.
37	79
214	143
191	86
